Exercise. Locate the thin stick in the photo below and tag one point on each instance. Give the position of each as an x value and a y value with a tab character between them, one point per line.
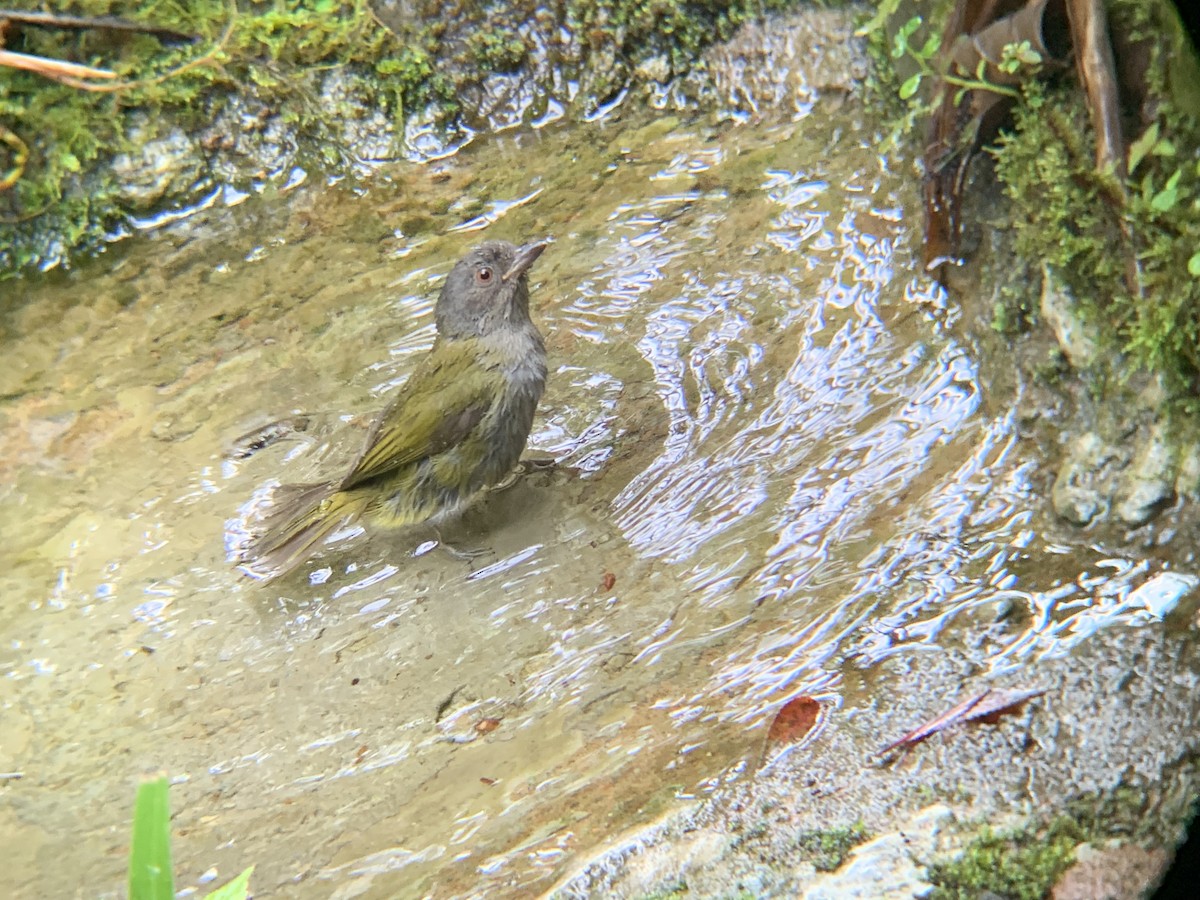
51	68
79	23
158	79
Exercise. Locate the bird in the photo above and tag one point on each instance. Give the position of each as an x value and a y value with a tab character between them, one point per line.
457	426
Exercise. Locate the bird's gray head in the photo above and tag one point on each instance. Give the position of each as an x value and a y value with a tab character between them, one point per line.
487	290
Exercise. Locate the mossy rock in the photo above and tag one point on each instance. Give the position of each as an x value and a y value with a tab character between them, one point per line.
323	85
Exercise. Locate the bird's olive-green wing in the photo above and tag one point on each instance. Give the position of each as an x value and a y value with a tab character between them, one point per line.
437	408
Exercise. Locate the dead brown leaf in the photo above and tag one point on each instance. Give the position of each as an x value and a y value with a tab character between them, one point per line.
794	720
987	707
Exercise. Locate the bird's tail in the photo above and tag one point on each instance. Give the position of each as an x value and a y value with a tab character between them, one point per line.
299	518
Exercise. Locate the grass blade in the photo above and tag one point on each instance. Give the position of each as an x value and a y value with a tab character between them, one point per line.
238	889
150	855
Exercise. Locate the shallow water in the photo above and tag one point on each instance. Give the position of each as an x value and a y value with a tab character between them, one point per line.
775	461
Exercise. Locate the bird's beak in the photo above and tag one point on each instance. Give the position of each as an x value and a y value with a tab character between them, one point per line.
526	256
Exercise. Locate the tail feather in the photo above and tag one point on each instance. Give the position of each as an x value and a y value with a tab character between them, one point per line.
300	517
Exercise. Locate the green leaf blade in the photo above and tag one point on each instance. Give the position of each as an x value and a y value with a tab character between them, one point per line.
1142	146
238	889
150	855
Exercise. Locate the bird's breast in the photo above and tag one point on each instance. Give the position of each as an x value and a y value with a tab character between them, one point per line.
521	357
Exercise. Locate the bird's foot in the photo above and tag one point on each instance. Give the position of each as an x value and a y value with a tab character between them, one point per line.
464	554
271	433
525	467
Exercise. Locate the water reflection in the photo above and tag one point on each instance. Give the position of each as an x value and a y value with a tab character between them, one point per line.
770	466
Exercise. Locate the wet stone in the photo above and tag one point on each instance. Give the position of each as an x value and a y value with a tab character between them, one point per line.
171	430
163	167
368	132
888	867
1149	483
251	140
786	62
1187	482
1081	490
656	68
1060	310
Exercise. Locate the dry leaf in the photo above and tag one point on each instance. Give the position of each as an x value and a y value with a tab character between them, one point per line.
794	720
486	726
986	707
607	582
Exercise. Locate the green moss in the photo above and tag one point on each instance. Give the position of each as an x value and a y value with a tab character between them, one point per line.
498	50
1019	865
675	29
675	892
828	849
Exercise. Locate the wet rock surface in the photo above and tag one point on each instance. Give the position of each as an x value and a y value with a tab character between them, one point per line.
1126	449
1074	744
1086	479
345	120
1130	476
1078	338
164	168
786	63
1149	483
1127	469
891	866
247	142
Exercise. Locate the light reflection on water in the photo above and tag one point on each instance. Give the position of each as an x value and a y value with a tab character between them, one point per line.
770	467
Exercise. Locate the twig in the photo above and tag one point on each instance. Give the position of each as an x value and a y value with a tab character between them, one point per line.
55	69
158	79
20	157
80	23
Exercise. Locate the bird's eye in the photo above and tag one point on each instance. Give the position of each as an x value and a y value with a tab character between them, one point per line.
483	275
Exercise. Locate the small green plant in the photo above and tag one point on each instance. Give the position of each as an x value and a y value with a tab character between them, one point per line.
150	875
828	849
905	45
150	854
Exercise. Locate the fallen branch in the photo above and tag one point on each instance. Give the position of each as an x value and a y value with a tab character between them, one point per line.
75	75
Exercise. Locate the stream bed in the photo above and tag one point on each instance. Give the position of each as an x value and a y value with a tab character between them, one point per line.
779	473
